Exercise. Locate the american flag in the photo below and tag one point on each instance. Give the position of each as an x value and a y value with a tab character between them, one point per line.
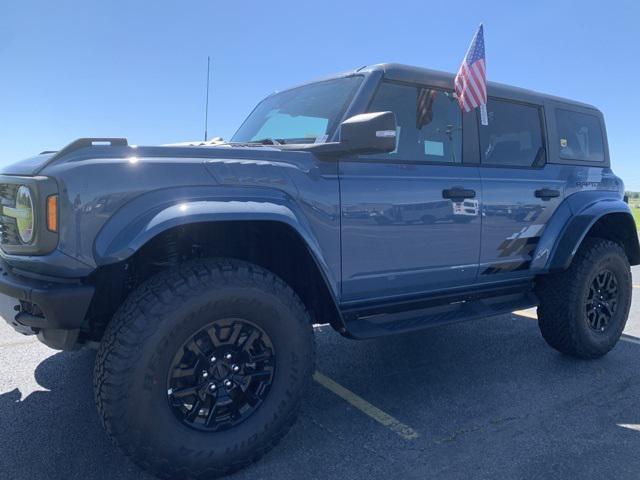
471	80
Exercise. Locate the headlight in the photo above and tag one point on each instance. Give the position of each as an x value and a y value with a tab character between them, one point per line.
24	214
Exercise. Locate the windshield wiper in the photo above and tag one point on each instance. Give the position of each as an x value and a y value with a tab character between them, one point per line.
269	141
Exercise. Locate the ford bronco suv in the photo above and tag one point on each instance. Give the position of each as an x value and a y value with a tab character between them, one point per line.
368	201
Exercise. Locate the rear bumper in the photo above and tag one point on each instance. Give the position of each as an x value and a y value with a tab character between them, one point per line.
53	310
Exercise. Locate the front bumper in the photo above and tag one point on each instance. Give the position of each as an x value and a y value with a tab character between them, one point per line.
54	310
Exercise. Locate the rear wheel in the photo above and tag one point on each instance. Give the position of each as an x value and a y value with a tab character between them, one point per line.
584	309
203	368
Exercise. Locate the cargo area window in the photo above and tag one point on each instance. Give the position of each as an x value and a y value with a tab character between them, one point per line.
429	123
579	136
513	137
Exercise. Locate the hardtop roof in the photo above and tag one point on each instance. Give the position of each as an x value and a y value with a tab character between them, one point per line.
411	74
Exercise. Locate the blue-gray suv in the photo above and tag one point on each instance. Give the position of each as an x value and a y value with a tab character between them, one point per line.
367	201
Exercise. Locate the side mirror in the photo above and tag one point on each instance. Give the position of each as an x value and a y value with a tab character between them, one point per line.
369	133
366	133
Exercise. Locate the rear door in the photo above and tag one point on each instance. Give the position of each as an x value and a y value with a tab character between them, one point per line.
411	218
520	189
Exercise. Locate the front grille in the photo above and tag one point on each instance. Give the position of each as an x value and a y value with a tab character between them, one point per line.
8	231
8	192
8	225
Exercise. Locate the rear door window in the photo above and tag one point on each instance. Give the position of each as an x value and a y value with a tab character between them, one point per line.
513	137
579	136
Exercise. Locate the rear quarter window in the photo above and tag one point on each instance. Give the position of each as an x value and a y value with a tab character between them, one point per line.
579	136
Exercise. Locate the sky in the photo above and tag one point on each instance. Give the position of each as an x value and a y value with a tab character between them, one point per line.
71	69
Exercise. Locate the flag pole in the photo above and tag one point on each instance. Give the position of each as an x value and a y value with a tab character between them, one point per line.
206	108
484	116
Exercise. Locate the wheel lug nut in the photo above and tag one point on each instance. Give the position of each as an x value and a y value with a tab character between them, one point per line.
205	374
235	369
227	383
212	387
228	356
213	359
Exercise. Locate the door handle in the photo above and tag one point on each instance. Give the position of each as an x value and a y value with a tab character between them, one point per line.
458	194
547	193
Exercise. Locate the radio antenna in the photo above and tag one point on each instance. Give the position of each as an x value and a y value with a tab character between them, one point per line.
206	107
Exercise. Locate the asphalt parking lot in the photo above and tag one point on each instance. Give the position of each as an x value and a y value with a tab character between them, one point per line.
486	399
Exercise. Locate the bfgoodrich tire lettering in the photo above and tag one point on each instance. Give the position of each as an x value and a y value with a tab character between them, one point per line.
567	297
141	342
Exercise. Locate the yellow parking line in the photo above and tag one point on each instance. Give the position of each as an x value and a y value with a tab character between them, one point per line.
365	407
531	313
630	426
630	339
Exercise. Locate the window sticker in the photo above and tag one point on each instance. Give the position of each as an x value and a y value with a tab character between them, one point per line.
321	138
434	148
563	142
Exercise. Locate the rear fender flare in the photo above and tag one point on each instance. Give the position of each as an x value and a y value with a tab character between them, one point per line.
571	223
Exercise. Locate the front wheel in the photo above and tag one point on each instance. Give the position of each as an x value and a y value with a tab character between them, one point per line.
203	368
584	309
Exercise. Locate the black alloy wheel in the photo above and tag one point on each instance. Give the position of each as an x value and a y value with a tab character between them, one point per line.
602	300
221	375
203	369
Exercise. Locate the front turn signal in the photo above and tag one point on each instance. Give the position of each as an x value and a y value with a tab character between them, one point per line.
52	213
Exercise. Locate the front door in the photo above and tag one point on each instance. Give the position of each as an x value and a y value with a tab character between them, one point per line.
411	218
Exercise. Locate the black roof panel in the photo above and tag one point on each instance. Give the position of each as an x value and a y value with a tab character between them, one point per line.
407	73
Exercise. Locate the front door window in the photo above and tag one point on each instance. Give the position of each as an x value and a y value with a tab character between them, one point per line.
429	122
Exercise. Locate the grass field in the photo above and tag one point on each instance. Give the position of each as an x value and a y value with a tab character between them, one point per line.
635	208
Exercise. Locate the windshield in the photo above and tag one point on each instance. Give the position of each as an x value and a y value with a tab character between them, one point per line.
300	115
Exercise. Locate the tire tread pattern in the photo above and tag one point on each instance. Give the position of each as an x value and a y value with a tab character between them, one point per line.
558	320
137	319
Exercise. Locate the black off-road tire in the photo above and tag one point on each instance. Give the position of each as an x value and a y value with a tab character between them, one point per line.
562	313
133	361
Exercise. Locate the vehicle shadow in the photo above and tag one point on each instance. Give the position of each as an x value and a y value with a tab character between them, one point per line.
56	434
488	399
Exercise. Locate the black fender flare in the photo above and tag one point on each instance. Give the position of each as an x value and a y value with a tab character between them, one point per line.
571	223
150	214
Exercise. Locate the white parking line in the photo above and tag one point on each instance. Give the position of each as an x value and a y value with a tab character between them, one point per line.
365	407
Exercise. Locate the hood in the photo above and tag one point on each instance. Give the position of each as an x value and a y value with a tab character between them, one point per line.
118	148
28	166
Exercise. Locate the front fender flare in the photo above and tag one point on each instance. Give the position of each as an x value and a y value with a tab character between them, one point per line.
131	227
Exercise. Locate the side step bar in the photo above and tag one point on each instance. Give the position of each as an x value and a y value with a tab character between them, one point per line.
402	317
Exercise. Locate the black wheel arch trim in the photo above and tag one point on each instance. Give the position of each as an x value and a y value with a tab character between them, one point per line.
572	222
136	224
